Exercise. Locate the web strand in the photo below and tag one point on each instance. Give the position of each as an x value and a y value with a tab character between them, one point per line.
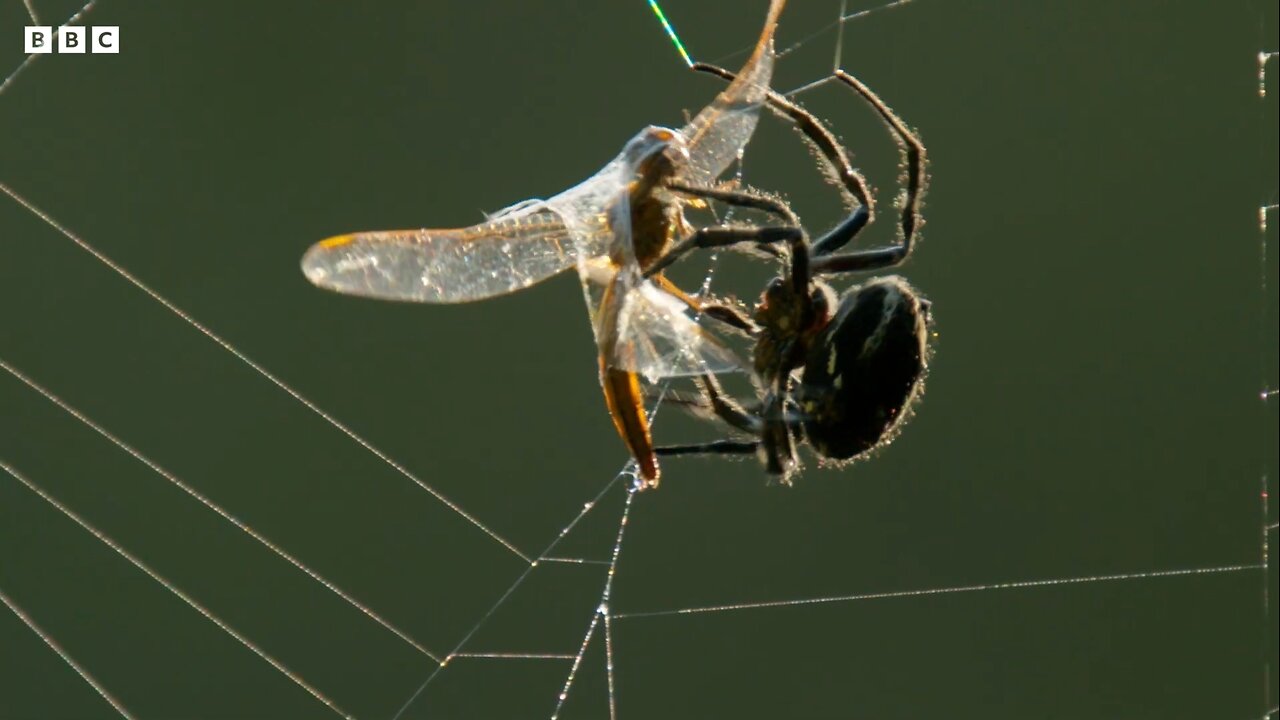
839	23
216	508
511	656
252	364
1016	585
79	669
506	594
1266	333
628	470
174	589
608	666
602	611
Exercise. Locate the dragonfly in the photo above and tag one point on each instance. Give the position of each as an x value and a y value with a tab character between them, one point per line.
611	227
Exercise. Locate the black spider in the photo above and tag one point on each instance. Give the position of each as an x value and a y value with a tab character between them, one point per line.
860	361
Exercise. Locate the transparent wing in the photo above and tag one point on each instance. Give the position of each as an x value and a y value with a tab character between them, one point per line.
718	133
533	240
639	326
512	250
658	339
642	328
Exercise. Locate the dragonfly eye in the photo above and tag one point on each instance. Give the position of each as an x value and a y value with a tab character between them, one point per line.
671	140
649	142
662	134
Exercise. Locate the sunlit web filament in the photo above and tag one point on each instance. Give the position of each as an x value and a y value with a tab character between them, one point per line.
845	16
671	32
601	612
59	650
1268	394
1016	585
222	512
177	591
256	367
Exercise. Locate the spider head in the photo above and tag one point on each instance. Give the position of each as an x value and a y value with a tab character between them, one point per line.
865	369
788	322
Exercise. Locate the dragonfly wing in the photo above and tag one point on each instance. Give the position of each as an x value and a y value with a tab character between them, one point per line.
638	326
598	214
657	338
668	342
718	133
510	251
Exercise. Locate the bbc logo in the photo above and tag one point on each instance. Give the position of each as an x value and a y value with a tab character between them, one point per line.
72	39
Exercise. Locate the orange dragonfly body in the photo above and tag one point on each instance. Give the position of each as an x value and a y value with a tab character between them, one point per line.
611	227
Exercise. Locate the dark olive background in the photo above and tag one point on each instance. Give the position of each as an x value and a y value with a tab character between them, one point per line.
1092	251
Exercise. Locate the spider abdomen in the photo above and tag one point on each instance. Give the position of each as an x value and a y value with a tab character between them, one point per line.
865	369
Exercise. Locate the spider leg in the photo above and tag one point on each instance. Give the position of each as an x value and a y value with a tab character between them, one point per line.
741	198
917	162
693	402
731	316
712	402
836	157
731	413
776	436
721	236
790	234
715	447
726	408
771	424
861	261
719	311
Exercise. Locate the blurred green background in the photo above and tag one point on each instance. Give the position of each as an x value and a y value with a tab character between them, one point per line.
1092	252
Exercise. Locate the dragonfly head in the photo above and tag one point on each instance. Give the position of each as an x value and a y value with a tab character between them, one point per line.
652	142
654	156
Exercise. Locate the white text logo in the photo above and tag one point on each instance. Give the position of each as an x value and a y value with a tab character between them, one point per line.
72	39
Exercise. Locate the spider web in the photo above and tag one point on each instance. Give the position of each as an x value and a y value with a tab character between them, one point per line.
726	597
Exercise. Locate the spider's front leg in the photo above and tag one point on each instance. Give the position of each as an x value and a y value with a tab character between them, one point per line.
789	233
714	401
715	447
916	160
768	421
721	311
833	154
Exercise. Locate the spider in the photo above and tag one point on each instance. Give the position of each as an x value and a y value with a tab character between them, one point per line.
861	360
